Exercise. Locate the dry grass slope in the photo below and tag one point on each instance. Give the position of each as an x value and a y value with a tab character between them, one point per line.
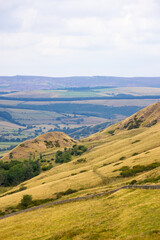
108	151
106	154
44	143
128	214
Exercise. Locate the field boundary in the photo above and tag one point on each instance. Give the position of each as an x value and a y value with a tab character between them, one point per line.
82	198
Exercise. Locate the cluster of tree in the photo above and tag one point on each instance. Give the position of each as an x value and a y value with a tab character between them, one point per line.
66	155
15	172
63	157
78	150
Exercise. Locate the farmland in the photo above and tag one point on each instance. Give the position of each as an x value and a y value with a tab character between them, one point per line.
79	111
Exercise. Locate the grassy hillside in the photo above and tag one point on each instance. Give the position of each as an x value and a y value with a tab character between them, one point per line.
129	214
127	152
44	143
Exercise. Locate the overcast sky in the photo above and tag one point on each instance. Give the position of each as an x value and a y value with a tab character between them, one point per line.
80	37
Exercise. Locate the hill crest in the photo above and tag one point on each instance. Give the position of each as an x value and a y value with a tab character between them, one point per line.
146	117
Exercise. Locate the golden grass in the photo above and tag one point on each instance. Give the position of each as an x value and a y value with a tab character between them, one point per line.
127	214
104	157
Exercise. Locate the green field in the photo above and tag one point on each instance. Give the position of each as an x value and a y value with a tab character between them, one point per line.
87	92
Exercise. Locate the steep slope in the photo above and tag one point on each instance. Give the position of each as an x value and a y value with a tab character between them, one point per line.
140	121
112	153
44	143
147	117
102	165
127	215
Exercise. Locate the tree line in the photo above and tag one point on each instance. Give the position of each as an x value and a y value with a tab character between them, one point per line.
15	172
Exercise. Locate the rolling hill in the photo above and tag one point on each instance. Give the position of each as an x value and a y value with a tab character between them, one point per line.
125	153
22	83
44	143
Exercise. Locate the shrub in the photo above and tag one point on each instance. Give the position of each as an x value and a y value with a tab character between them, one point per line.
127	171
133	182
152	123
116	164
43	160
45	168
135	154
73	174
22	145
49	144
22	188
57	143
136	141
66	140
26	201
153	180
81	160
82	171
10	155
111	132
67	192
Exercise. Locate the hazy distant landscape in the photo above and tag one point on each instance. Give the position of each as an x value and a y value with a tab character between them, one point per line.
78	106
25	83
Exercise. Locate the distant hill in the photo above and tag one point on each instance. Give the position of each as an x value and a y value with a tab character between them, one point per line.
27	83
40	144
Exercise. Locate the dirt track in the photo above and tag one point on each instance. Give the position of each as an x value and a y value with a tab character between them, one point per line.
82	198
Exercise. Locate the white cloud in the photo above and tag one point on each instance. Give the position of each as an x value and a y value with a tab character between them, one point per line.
26	16
79	37
86	26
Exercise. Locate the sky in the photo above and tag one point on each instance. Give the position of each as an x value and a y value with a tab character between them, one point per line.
80	37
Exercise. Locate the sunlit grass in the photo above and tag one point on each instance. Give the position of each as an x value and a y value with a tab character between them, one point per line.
128	214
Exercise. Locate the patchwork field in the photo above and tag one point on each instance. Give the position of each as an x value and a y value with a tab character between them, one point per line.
77	110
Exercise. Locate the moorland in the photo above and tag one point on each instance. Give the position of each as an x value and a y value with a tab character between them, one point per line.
124	153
